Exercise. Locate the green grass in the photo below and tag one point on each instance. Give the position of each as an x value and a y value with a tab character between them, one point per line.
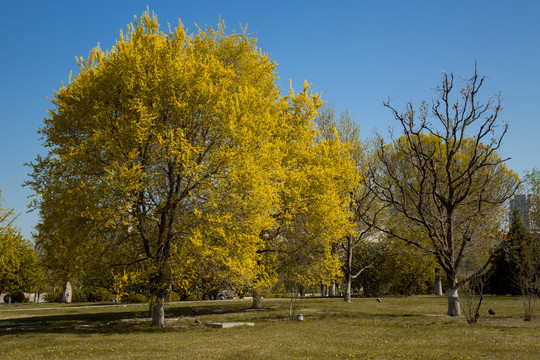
396	328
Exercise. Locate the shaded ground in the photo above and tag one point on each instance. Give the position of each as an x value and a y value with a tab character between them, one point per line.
412	327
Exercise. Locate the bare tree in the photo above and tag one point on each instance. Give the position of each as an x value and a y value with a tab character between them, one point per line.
443	176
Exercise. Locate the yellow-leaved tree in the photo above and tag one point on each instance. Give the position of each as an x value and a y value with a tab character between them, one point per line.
171	147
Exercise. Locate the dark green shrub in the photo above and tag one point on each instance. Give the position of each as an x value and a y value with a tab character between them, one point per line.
134	298
53	296
16	297
78	296
94	294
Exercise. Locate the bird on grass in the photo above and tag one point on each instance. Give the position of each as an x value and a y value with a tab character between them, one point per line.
491	312
379	300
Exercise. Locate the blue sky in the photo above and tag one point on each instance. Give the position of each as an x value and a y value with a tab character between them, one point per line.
357	53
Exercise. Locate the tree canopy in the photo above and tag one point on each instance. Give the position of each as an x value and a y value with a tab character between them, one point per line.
172	148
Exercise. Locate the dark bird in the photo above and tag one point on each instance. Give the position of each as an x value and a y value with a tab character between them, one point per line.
491	312
379	300
197	321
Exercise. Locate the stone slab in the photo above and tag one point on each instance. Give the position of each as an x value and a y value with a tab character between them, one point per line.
226	325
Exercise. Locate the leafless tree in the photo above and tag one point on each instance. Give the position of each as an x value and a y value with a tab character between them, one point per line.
443	177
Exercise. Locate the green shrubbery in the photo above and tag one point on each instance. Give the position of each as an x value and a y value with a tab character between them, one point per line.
92	294
134	298
16	297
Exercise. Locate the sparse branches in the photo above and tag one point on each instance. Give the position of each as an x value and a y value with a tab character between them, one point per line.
474	295
443	175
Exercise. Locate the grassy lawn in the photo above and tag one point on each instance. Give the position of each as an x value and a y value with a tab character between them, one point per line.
406	328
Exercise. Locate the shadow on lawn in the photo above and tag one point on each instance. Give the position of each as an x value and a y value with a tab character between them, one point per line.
120	321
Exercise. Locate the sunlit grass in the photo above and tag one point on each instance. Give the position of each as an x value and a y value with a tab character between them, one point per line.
406	328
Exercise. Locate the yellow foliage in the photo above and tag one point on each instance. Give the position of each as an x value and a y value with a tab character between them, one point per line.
183	148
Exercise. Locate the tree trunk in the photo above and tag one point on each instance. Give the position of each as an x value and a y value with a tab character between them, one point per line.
438	286
453	302
151	306
331	290
348	272
347	296
257	300
291	305
66	293
158	313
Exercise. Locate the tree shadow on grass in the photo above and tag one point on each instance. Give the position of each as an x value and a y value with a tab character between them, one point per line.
117	321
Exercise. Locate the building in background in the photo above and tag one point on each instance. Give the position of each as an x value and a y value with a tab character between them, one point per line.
522	204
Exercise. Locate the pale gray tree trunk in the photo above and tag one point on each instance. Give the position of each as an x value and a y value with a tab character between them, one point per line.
348	270
453	302
257	300
158	313
66	293
348	289
438	286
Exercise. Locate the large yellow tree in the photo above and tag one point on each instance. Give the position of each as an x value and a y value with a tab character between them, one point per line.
170	145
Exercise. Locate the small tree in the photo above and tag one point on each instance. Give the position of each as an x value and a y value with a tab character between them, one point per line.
19	269
474	295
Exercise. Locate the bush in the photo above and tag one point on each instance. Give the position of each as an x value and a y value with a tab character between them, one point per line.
53	296
16	297
134	298
94	294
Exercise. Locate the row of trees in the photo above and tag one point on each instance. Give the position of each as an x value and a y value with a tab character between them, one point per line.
174	158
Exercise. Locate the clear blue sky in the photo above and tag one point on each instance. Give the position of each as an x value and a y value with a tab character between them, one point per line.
357	53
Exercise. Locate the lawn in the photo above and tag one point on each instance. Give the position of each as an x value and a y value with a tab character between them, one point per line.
406	328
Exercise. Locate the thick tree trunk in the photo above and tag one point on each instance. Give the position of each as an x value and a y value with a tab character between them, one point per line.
66	293
257	300
158	313
438	286
453	302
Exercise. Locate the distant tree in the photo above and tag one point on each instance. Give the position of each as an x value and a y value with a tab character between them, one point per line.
19	269
503	268
523	250
394	269
360	200
443	177
532	187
